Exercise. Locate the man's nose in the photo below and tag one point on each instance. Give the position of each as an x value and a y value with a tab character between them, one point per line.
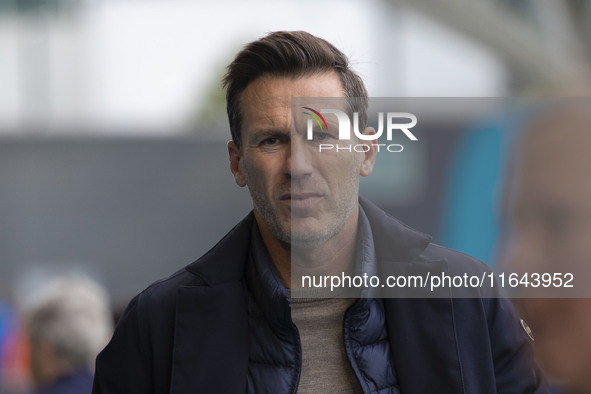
300	160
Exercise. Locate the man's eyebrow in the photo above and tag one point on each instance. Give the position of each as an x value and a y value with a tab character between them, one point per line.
261	133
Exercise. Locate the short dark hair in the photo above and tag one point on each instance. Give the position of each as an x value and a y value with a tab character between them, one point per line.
291	54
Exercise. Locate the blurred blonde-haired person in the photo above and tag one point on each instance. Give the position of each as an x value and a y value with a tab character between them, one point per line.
68	322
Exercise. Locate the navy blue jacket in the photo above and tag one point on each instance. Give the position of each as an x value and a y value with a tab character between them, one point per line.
189	333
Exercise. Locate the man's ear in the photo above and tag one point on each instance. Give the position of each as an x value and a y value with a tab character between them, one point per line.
234	153
369	158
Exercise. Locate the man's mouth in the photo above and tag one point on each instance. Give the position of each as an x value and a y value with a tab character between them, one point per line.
301	200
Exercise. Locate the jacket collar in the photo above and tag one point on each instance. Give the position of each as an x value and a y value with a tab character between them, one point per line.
211	332
393	240
264	284
409	320
231	252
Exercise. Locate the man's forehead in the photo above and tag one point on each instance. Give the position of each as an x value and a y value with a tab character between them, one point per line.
270	97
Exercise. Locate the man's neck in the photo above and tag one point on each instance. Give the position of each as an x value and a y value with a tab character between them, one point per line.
334	257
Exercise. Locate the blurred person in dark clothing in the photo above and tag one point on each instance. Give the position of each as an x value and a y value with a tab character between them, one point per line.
549	231
68	321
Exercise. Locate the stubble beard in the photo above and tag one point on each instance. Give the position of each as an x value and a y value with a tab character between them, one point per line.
302	238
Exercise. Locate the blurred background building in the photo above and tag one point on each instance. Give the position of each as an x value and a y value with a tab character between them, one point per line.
113	128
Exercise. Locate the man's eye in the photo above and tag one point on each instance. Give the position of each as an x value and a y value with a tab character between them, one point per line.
270	141
321	136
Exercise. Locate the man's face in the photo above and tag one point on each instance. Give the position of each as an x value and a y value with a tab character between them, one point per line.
304	197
